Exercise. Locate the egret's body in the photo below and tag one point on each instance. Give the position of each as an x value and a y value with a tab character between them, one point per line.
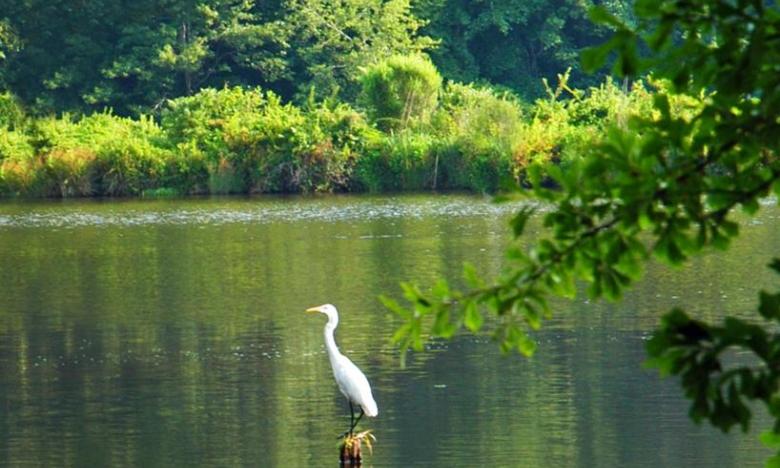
351	380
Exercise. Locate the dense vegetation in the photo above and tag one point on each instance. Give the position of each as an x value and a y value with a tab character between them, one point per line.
57	56
415	134
230	96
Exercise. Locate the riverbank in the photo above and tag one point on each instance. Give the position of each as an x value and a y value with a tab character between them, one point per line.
236	140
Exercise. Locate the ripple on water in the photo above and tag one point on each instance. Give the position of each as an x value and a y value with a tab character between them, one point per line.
252	213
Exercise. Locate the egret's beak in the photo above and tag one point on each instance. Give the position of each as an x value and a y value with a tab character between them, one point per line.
312	310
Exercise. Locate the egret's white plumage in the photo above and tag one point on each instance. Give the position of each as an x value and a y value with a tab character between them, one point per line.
351	381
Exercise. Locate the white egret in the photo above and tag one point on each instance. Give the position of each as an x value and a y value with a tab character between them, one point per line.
351	381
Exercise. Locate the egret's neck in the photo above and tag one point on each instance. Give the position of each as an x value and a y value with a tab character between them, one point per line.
330	342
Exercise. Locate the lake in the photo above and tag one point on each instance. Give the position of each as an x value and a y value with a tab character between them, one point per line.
173	333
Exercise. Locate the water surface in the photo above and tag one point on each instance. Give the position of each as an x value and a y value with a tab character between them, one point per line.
172	333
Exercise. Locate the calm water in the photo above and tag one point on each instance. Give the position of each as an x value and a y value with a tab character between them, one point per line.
172	333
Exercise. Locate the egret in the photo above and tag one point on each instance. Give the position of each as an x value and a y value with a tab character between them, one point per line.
351	381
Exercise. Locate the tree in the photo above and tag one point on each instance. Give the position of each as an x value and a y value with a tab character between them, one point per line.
400	89
666	186
132	56
512	43
332	39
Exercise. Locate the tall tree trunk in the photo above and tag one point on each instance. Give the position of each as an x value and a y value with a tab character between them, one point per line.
184	40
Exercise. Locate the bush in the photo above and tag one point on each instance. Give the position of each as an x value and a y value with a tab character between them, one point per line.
12	116
341	136
481	129
101	154
400	90
252	142
15	145
570	122
246	141
215	127
405	161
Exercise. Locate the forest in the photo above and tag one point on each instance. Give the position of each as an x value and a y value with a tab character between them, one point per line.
634	133
108	98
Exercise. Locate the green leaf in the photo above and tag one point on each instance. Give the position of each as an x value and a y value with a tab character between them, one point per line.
675	318
565	285
441	290
472	318
775	265
649	8
411	292
526	345
415	335
520	219
402	333
773	462
660	37
443	326
612	290
395	307
664	364
770	439
471	277
532	316
769	305
600	15
750	206
730	228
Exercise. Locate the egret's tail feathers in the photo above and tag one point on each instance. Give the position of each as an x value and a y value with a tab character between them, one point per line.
370	409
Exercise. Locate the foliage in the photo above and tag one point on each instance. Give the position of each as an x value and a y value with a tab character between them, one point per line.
482	129
330	40
513	43
98	155
134	57
403	161
12	115
665	184
252	142
236	140
8	40
400	90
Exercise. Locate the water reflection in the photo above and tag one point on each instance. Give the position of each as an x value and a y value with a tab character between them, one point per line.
172	333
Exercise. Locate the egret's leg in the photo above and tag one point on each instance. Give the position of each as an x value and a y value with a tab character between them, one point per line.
356	421
351	417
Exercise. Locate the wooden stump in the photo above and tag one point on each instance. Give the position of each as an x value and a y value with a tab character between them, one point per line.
350	453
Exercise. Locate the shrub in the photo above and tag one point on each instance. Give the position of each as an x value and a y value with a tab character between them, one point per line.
252	142
400	90
404	161
16	176
243	141
12	115
101	154
481	129
343	137
15	145
196	123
